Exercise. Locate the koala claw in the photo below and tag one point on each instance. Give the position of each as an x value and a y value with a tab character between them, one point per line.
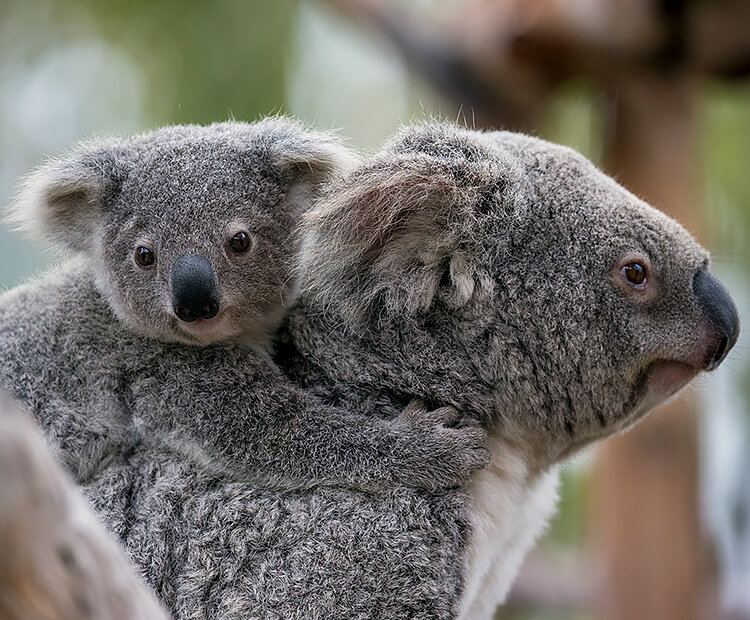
442	455
416	412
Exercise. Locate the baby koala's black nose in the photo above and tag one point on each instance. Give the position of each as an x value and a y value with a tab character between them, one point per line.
194	291
721	311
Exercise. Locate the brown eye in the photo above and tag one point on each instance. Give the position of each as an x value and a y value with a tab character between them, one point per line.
144	257
240	242
635	274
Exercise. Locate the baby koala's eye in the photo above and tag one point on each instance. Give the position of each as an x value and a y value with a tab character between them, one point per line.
144	257
240	242
635	274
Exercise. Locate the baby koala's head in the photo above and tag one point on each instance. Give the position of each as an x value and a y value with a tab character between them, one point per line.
189	229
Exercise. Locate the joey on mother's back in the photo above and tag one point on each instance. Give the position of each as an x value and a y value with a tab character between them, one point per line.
183	242
493	272
509	278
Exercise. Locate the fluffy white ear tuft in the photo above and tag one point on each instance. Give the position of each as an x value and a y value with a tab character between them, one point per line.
301	154
463	278
425	220
305	160
316	159
63	199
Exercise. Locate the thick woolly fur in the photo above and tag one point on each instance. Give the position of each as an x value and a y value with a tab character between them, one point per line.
480	271
136	410
186	189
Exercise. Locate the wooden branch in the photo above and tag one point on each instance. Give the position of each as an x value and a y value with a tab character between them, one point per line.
56	561
463	72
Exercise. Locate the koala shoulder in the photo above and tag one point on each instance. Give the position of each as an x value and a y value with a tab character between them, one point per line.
64	294
42	320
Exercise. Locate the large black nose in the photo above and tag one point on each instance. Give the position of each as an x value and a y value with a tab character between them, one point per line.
194	291
722	312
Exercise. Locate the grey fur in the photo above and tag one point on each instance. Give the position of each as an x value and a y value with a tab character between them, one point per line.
479	271
185	189
496	253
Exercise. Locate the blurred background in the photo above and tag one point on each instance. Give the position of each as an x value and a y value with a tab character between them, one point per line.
654	525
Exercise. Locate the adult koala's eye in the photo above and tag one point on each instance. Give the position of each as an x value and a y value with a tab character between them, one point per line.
240	242
635	274
144	257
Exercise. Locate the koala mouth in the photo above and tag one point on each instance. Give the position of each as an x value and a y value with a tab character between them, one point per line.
203	331
201	324
667	377
657	383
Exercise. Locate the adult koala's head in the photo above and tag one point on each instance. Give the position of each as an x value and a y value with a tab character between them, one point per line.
509	277
188	228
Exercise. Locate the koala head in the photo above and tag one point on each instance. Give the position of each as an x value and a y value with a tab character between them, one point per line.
509	277
188	228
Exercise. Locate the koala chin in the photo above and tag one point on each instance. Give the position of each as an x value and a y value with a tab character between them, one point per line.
531	291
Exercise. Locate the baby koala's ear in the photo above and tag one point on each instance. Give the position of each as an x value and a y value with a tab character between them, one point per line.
63	199
306	160
315	158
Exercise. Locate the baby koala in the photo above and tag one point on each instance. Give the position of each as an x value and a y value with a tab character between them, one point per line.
184	244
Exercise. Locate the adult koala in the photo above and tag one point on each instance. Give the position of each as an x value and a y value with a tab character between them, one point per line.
493	272
543	299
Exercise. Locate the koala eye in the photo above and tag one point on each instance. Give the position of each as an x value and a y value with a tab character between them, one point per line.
240	242
635	274
144	257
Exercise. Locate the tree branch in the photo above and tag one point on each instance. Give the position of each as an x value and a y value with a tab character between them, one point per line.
57	562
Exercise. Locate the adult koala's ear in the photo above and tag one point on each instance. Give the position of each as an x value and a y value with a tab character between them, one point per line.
63	200
423	221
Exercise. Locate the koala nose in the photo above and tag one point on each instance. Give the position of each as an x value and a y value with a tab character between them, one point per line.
721	311
194	291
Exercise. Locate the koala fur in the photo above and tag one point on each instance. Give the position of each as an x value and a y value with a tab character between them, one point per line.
502	259
482	271
186	190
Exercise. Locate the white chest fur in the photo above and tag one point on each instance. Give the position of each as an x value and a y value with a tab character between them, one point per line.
511	505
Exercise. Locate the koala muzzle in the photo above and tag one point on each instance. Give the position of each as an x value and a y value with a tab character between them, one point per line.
194	291
721	312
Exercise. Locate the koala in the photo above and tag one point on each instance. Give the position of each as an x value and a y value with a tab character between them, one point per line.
494	273
183	247
545	301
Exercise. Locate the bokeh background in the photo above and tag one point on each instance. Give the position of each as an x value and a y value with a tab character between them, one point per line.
652	525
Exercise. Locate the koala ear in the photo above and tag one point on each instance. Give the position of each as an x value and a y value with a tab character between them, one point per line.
305	160
315	159
64	198
403	231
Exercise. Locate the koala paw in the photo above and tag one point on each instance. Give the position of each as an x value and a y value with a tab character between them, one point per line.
439	454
